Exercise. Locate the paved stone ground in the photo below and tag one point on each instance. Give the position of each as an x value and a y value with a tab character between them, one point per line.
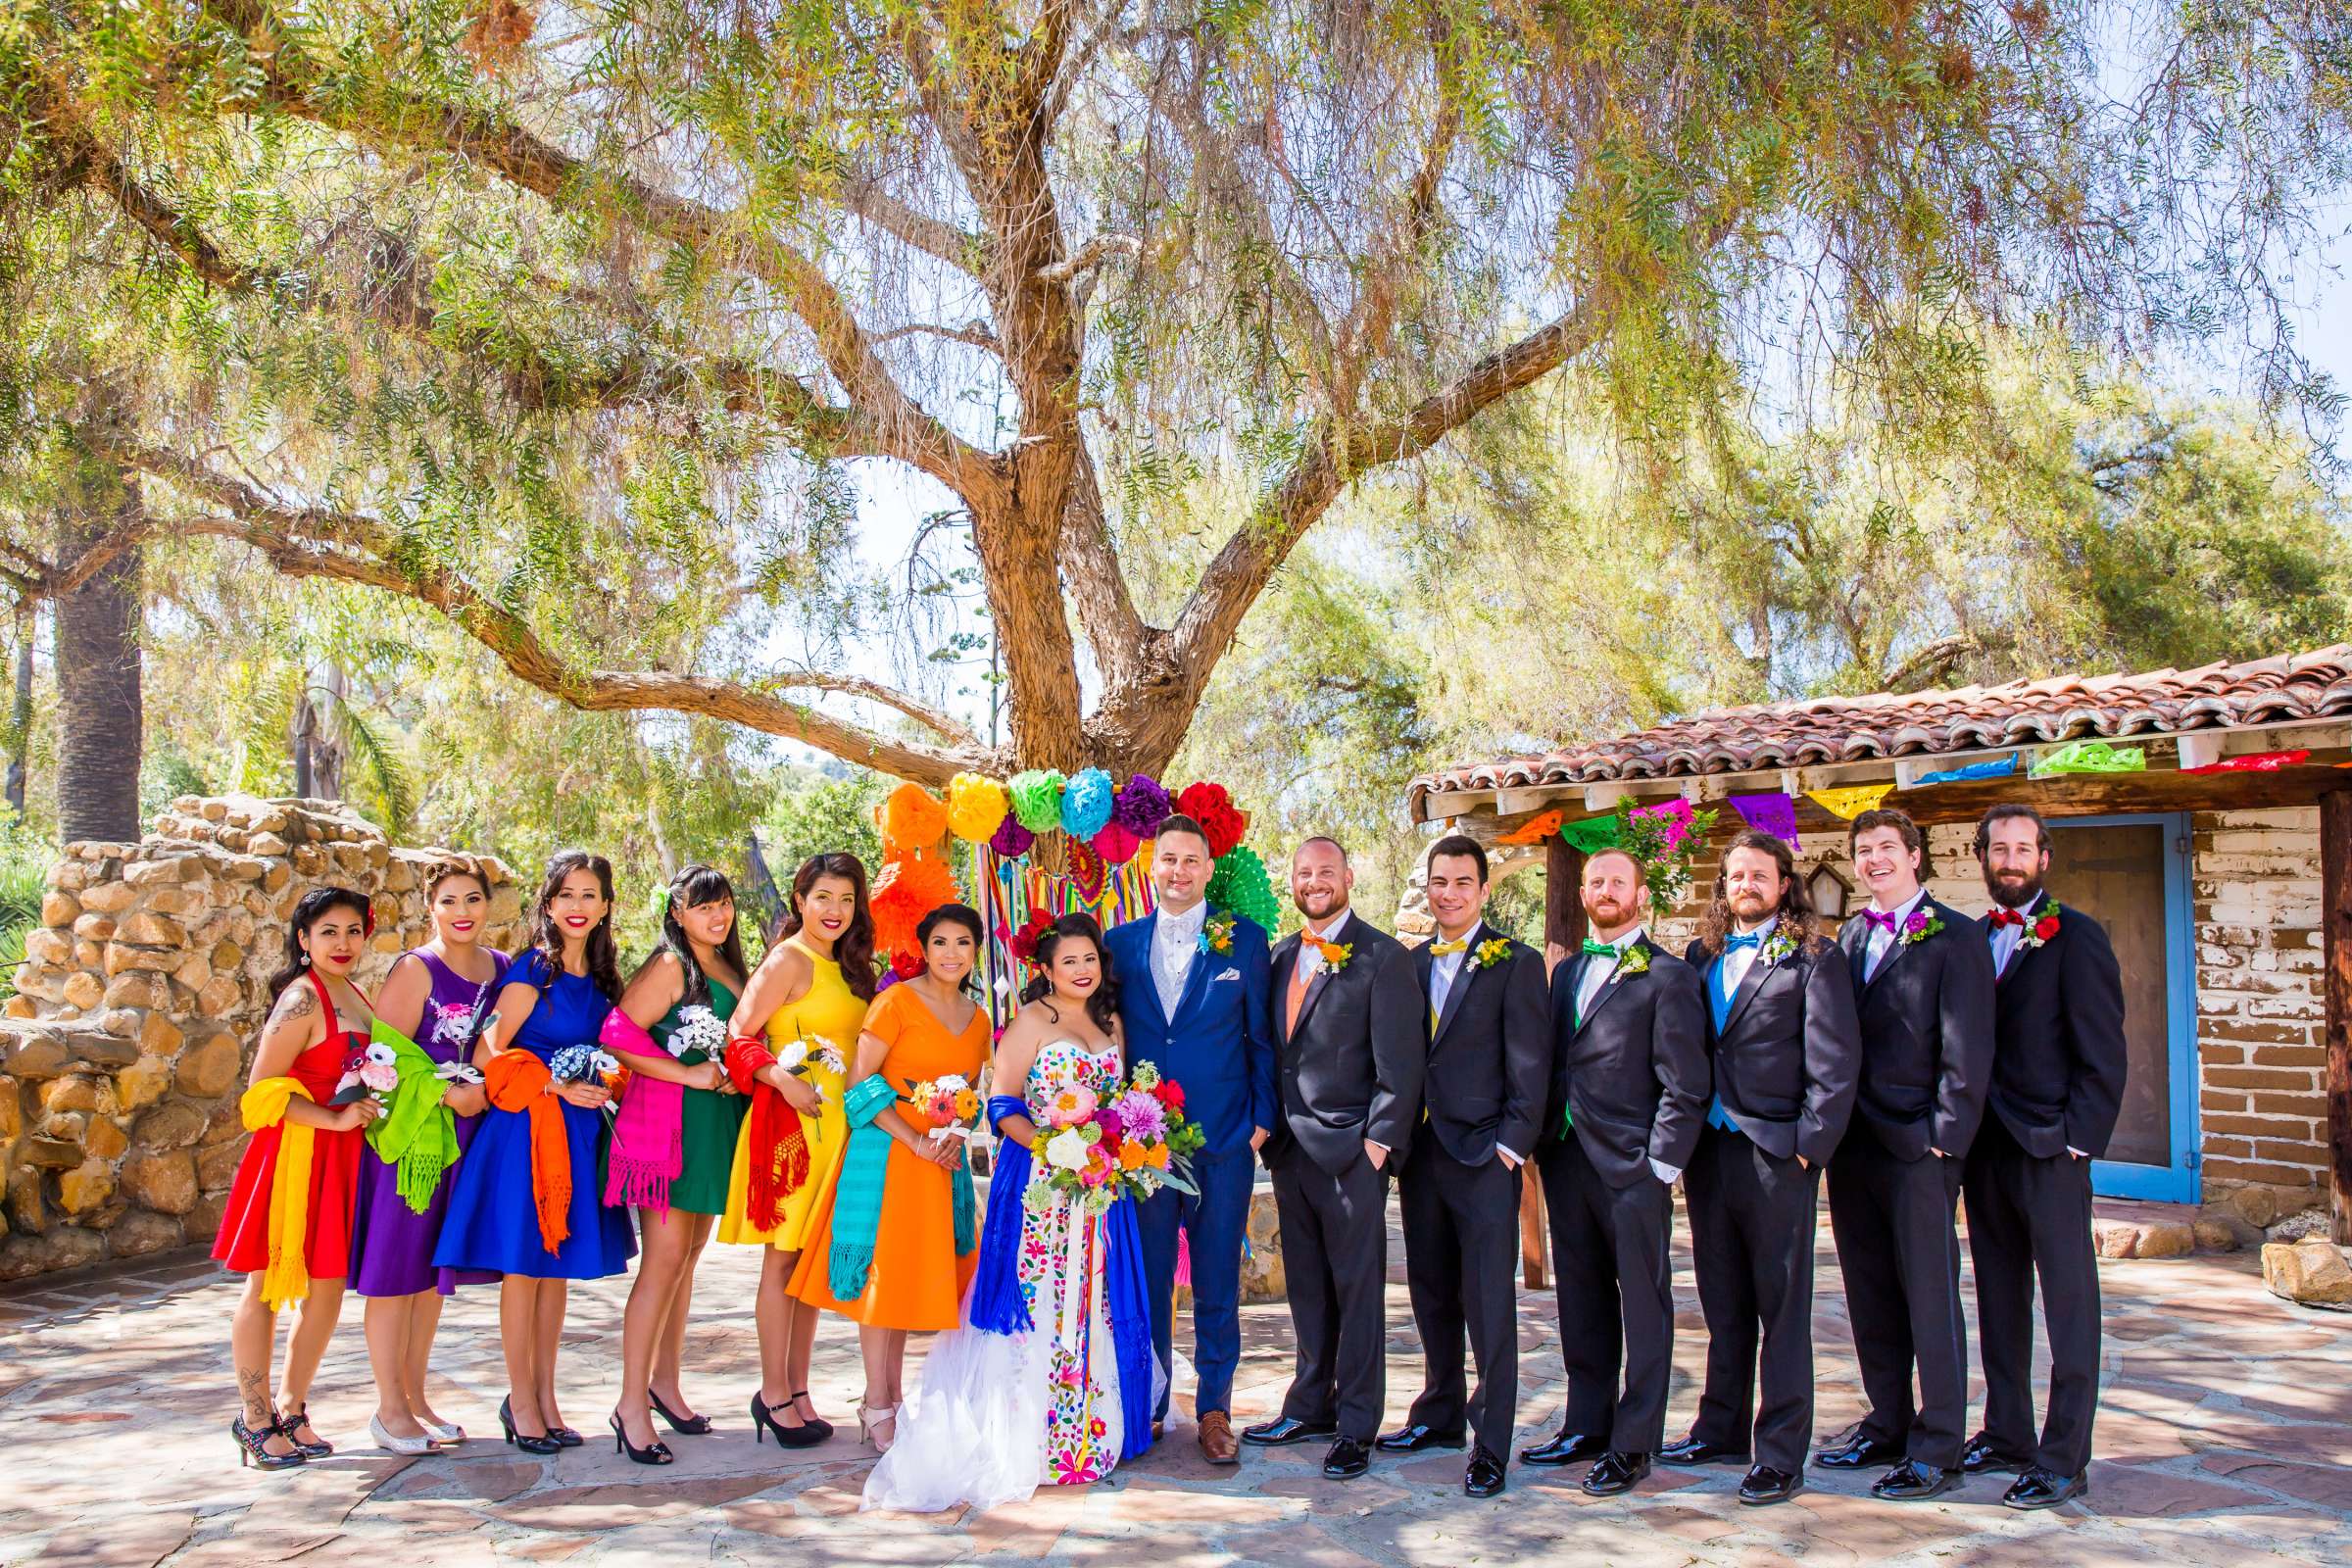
2225	1440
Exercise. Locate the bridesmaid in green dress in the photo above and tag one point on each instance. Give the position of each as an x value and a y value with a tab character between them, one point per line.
690	984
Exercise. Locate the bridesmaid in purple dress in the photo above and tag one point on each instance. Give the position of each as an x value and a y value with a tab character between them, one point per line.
435	995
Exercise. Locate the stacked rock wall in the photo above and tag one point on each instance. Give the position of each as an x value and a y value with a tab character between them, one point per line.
128	1044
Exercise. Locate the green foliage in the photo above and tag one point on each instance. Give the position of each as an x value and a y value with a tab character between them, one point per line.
823	812
25	856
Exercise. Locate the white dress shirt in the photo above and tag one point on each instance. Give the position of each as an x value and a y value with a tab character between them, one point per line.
1310	957
2005	939
1588	987
1877	941
1445	967
1175	944
1736	961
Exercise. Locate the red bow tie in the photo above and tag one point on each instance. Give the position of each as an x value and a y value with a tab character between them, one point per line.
2005	916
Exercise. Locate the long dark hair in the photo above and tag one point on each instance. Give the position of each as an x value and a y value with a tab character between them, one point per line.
965	916
1103	1005
547	939
311	908
1795	911
853	950
697	885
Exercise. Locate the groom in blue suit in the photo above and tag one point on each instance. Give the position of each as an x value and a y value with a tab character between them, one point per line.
1194	997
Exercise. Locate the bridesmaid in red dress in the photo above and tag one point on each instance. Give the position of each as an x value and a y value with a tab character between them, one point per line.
287	1226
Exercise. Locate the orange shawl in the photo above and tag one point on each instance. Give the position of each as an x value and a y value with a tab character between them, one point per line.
517	1080
778	1149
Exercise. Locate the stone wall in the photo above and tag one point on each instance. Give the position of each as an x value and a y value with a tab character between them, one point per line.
128	1044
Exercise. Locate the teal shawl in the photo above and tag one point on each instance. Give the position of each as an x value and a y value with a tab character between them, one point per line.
858	1192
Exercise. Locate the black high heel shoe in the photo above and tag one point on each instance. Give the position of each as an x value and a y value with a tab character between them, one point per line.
800	1437
565	1437
250	1449
317	1447
692	1426
545	1443
822	1428
655	1452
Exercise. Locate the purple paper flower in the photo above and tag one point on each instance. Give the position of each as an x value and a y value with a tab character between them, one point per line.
1012	839
1142	806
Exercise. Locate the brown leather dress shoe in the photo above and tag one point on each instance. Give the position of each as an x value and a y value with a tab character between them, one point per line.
1217	1444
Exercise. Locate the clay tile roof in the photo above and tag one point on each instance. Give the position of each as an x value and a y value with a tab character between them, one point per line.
1851	729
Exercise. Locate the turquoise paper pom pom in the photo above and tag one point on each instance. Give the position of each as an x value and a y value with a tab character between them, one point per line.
1086	802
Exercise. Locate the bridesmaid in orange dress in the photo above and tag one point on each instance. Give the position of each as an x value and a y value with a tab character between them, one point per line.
287	1223
918	1030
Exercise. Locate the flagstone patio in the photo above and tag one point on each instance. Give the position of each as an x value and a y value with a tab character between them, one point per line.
2225	1439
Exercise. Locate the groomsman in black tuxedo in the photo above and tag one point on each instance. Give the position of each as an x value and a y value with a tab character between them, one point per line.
1925	977
1629	1093
1490	1054
2058	1063
1787	1052
1349	1051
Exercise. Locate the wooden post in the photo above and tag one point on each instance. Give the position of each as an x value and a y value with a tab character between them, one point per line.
2335	948
1564	926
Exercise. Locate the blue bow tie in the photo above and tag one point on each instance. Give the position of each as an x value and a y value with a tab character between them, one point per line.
1733	940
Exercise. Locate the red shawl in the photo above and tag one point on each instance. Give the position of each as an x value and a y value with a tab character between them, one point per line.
777	1149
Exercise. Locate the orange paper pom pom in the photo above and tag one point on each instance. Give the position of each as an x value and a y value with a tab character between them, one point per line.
911	819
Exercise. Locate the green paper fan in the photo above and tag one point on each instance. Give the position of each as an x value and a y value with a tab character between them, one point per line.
1240	884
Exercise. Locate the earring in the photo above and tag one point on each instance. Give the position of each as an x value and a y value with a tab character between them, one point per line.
305	960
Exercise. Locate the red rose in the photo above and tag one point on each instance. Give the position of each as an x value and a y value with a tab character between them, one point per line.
906	963
1170	1095
2046	927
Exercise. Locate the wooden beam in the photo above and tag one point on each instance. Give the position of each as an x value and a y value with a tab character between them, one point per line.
1565	929
2335	914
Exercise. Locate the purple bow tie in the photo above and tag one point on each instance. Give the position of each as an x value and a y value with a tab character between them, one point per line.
1884	919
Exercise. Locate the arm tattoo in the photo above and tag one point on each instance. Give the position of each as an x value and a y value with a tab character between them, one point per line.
298	1002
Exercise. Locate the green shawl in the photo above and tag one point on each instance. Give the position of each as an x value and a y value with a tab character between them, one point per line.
417	1136
857	1191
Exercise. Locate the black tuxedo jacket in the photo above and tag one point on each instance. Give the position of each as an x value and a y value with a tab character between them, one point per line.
1790	1053
1634	1070
1352	1068
1488	1054
2058	1056
1927	1036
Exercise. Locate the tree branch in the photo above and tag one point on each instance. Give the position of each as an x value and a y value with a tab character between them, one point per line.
355	547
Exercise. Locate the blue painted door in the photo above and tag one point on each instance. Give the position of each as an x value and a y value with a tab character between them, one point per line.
2130	873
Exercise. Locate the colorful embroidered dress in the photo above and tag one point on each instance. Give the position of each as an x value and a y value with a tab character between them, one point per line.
1052	1381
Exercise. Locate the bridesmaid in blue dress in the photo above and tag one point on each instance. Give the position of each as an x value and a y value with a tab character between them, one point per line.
555	994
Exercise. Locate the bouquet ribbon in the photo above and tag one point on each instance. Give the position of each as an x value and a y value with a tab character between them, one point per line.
648	1146
857	1194
288	1275
519	1081
417	1135
779	1147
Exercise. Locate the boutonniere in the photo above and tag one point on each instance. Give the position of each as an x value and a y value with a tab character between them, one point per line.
1335	954
1782	944
1216	935
1920	925
1633	960
2043	926
1491	953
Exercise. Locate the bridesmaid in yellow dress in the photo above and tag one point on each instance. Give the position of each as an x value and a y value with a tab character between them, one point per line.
815	984
913	1278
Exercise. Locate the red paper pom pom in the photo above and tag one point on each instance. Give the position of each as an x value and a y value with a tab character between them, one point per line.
1212	807
907	964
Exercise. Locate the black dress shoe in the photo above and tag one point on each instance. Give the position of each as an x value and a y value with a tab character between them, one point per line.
1614	1472
1982	1457
1282	1429
1858	1453
1419	1435
1565	1448
1484	1478
1697	1450
1764	1484
2042	1488
1347	1460
1913	1482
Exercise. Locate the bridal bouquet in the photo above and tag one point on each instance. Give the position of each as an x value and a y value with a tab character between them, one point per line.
802	1057
1134	1141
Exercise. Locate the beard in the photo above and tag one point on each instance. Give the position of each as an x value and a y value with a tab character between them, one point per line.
2011	893
1607	914
1751	906
1317	904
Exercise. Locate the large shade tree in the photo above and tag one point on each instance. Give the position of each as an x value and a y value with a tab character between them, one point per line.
566	322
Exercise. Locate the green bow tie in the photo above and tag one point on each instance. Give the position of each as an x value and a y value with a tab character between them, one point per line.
1600	950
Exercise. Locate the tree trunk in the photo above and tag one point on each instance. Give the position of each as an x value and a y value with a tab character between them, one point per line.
100	721
19	713
321	760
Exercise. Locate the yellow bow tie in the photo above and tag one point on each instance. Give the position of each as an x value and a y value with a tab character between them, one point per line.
1447	949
